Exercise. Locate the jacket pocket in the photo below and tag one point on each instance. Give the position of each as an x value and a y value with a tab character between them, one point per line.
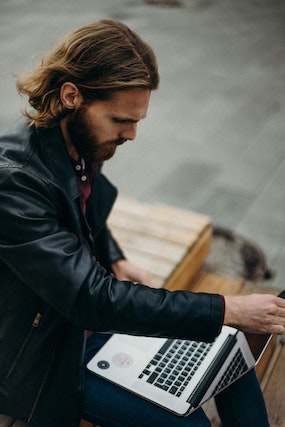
24	345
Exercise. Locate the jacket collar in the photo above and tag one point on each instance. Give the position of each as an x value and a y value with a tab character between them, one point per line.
57	158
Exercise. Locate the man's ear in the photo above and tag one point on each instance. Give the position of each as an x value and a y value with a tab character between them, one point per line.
70	96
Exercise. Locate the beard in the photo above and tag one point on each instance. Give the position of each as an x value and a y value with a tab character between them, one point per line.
85	141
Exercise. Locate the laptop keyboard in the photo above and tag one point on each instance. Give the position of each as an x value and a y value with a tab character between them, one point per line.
237	367
174	365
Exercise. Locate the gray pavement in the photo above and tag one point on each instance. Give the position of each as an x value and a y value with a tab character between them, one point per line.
213	140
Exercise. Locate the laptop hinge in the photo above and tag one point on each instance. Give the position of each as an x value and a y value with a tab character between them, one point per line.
198	393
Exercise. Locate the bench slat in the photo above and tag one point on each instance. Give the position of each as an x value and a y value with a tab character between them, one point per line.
170	243
274	392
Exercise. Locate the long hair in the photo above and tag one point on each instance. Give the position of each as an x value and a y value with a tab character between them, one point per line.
98	58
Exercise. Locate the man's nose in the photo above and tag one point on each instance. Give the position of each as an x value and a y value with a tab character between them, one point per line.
129	132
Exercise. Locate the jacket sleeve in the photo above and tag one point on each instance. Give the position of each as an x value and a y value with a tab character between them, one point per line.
39	244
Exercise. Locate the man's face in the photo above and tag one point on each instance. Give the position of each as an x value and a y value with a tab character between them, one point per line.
97	129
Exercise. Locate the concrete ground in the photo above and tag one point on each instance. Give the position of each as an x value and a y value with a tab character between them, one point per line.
213	140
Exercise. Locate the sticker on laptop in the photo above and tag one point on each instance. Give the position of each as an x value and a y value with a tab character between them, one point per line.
122	360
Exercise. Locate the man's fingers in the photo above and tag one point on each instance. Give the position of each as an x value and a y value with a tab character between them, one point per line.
281	307
278	329
281	302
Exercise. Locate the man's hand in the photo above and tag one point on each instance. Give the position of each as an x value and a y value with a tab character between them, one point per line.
124	270
255	313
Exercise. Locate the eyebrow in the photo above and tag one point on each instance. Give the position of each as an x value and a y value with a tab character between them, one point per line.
127	119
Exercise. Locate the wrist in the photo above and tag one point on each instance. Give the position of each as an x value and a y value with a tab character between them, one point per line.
231	311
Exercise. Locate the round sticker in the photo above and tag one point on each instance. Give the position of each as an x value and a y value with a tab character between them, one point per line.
122	360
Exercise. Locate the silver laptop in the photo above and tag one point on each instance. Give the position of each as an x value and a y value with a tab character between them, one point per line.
178	375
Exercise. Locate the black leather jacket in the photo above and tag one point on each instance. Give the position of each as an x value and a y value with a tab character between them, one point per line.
53	286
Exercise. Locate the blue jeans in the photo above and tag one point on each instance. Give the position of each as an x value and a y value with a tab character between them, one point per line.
240	405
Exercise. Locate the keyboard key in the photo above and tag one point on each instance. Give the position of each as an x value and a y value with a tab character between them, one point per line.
175	364
173	390
153	377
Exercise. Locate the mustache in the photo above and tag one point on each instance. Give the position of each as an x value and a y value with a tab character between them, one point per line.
120	141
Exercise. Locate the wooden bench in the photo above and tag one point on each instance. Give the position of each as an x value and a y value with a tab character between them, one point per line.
172	244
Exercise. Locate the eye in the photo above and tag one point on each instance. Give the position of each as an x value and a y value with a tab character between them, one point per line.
122	121
116	120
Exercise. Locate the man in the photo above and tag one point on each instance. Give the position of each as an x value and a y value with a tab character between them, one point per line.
62	273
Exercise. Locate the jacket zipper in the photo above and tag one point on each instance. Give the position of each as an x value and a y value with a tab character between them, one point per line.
35	324
37	320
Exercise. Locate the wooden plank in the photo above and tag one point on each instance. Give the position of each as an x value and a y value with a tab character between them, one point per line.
270	368
274	392
165	223
163	213
216	284
264	361
191	263
169	233
150	245
155	265
165	271
170	243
